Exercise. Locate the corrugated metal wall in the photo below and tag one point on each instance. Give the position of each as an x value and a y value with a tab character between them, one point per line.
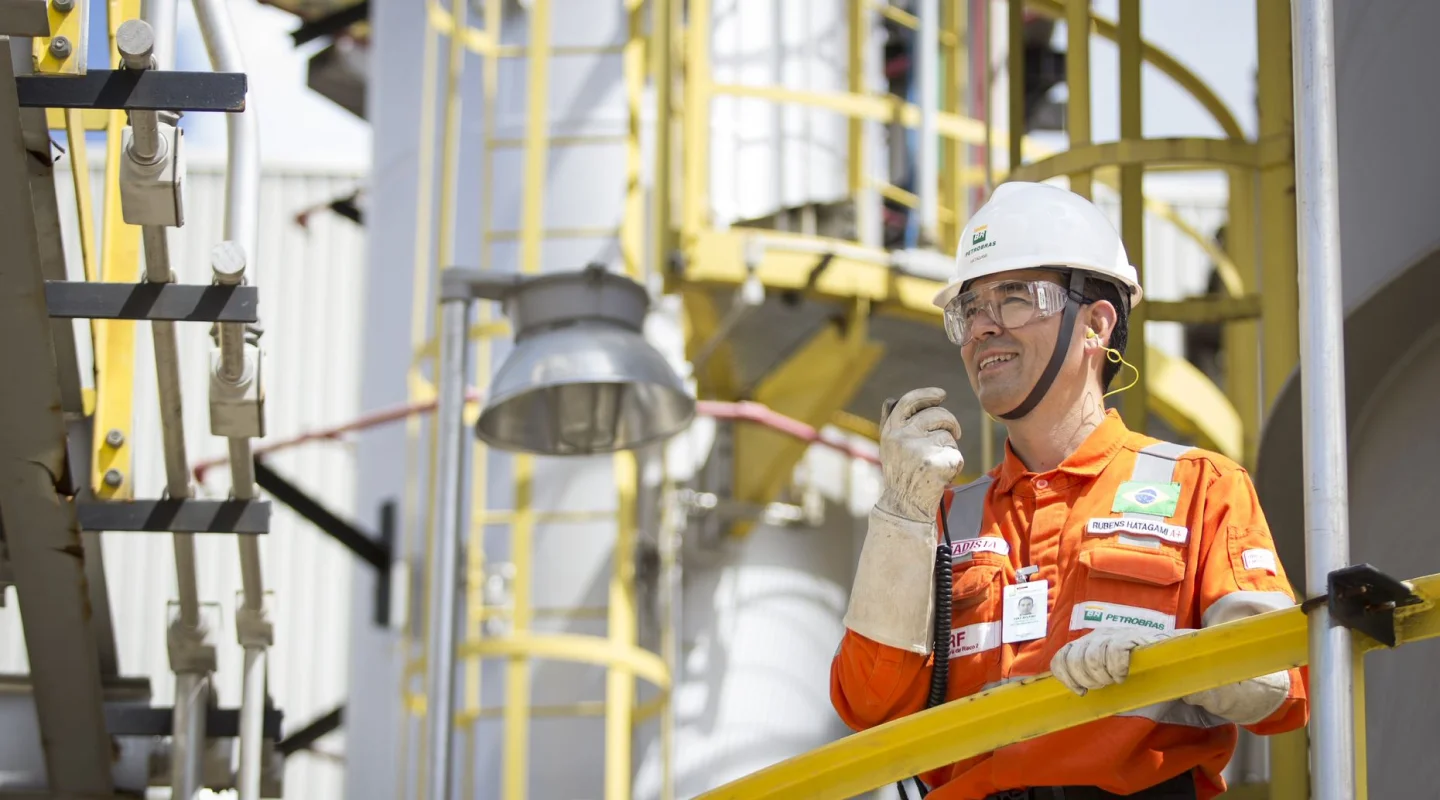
312	293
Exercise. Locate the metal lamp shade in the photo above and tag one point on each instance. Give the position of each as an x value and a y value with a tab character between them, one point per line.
585	388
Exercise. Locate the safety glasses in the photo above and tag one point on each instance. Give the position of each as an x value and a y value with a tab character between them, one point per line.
1008	304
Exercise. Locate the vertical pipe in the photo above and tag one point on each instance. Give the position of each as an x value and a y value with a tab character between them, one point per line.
450	527
1241	339
1015	75
632	218
697	116
928	178
1134	403
662	45
952	171
855	164
978	34
187	750
1322	372
1077	77
620	682
1280	298
670	615
515	756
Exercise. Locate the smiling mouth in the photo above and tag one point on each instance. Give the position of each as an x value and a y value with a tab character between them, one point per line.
994	360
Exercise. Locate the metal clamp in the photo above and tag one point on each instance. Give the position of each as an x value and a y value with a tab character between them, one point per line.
1363	598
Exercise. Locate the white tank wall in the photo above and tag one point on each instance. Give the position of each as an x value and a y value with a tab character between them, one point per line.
766	156
310	300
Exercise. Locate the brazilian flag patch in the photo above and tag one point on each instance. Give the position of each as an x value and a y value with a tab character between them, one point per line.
1142	497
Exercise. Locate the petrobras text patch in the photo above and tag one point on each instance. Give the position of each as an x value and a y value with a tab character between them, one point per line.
1259	559
968	640
983	544
1095	614
1160	530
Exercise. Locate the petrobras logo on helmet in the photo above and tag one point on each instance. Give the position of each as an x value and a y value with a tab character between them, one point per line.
979	240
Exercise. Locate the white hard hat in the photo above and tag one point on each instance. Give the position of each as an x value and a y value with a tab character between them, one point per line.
1036	226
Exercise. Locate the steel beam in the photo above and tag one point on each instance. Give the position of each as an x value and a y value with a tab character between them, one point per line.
136	90
176	516
41	533
152	301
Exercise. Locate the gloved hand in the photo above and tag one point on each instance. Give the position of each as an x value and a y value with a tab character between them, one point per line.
892	600
919	454
1246	702
1100	657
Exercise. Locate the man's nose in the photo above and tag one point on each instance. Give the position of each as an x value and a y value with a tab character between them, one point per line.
983	326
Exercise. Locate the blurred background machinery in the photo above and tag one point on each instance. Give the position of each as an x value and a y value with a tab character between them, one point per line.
788	180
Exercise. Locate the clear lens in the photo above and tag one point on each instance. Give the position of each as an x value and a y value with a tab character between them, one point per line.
1008	304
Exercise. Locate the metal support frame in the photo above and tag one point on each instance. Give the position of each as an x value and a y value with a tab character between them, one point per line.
375	550
151	301
41	535
179	515
220	723
137	90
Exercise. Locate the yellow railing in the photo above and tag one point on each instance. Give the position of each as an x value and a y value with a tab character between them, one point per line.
1027	709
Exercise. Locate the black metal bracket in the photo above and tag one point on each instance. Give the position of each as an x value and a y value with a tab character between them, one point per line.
1363	598
331	23
377	551
135	90
311	733
131	720
152	301
174	516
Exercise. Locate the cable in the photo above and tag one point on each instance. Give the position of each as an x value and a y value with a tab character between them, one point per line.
940	668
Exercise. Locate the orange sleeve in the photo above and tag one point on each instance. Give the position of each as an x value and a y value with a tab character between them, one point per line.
1240	574
871	683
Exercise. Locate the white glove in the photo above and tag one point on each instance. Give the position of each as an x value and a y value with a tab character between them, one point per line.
893	598
1100	657
1246	702
919	454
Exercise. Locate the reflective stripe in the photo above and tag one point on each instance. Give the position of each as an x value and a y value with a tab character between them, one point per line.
967	513
1155	464
1238	605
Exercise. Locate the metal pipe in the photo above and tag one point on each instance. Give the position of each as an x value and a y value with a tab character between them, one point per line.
187	750
140	43
1322	374
242	222
927	183
445	575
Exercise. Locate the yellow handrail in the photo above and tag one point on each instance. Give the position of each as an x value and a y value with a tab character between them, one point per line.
1033	707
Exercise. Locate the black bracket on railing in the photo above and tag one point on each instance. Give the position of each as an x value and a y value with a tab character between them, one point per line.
377	551
1363	598
312	732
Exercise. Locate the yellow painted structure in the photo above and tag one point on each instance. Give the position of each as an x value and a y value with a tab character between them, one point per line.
675	237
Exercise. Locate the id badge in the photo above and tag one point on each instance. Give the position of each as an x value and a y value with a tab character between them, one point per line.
1025	611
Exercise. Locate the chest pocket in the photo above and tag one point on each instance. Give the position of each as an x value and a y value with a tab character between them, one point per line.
1133	581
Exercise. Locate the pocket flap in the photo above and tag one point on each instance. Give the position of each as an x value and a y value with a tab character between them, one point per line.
1147	566
972	583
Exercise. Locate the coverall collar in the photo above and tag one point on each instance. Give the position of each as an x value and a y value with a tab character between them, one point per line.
1089	460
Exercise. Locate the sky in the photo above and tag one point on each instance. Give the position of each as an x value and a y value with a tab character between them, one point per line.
1214	38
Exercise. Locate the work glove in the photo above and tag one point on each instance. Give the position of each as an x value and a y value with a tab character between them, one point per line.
1102	657
892	601
919	454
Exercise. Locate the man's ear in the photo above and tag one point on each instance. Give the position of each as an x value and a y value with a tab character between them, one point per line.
1101	322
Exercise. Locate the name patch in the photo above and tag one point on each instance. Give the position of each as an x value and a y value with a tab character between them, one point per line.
1160	530
1110	615
984	544
968	640
1259	559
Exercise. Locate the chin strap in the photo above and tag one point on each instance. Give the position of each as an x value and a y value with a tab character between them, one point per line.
1057	358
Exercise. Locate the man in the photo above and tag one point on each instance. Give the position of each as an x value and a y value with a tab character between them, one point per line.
1116	540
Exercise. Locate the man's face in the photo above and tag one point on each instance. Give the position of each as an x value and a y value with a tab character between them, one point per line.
1004	364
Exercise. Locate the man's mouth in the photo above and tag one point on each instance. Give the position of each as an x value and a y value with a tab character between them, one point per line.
995	359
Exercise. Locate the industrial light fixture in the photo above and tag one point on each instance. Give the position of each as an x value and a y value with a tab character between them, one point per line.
582	379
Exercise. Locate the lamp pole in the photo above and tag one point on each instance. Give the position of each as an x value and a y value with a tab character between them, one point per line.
445	576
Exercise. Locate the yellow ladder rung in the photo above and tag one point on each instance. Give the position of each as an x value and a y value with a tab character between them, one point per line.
507	516
560	141
556	233
520	51
558	612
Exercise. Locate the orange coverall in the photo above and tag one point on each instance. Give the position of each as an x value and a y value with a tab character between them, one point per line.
1213	552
